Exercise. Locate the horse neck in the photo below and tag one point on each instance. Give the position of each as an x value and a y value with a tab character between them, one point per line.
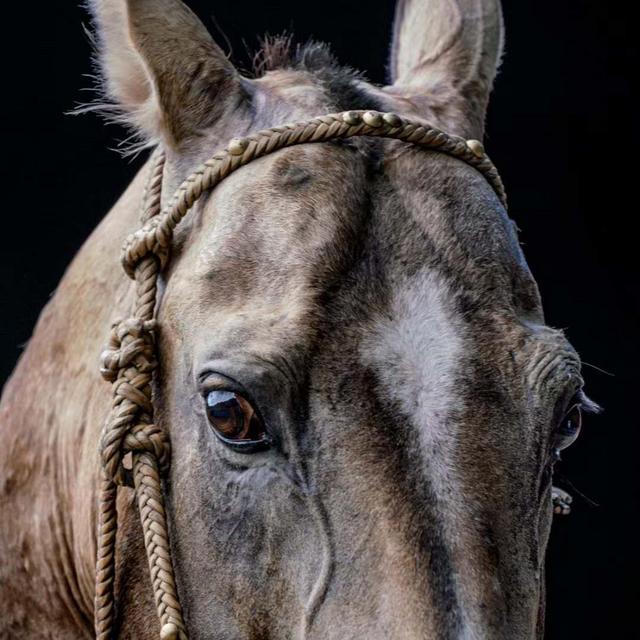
51	414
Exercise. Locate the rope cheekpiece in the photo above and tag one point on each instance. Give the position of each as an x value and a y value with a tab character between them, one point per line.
130	357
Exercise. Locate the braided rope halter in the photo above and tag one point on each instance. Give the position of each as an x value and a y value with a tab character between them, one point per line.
129	359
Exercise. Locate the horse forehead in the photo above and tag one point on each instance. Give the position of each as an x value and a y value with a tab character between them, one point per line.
415	345
274	238
281	210
270	236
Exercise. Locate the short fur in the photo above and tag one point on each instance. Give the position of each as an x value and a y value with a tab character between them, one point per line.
373	301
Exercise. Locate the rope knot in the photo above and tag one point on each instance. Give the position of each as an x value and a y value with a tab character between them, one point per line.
149	438
142	437
153	239
131	343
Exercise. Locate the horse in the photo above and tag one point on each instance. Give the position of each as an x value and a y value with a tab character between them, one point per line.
363	400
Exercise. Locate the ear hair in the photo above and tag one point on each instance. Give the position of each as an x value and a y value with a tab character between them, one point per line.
123	84
450	50
159	71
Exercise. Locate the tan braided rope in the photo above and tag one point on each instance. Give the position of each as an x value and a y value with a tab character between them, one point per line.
128	362
130	358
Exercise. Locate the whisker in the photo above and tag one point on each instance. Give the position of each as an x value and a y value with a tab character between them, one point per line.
564	480
593	366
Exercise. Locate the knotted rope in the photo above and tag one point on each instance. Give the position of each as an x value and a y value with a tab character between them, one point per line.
128	363
130	357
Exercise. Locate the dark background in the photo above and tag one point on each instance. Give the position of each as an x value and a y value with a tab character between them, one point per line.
562	129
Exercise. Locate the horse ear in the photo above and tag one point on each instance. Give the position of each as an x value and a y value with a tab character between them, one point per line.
160	67
448	52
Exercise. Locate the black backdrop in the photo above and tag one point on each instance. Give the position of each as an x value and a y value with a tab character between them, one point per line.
560	128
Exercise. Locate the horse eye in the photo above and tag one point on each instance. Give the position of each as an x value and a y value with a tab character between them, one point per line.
568	430
235	421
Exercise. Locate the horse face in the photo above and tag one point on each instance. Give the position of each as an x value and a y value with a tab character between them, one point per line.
388	343
363	399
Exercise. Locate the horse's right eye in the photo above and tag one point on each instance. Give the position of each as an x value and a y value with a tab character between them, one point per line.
235	421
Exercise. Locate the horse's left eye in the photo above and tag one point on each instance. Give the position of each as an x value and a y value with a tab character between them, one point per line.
235	421
568	430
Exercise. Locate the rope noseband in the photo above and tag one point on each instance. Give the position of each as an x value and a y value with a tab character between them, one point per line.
130	357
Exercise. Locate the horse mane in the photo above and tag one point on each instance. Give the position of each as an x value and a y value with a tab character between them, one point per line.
340	81
281	52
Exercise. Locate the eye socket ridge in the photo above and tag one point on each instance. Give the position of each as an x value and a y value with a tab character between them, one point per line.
233	416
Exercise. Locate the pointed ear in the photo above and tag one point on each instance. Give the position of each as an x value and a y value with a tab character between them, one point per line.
450	50
160	67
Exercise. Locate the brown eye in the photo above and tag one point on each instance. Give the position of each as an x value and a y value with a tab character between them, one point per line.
235	421
568	430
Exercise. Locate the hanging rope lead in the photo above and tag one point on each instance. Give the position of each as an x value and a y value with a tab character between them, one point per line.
128	363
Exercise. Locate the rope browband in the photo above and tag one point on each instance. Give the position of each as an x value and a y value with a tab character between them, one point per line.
130	357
